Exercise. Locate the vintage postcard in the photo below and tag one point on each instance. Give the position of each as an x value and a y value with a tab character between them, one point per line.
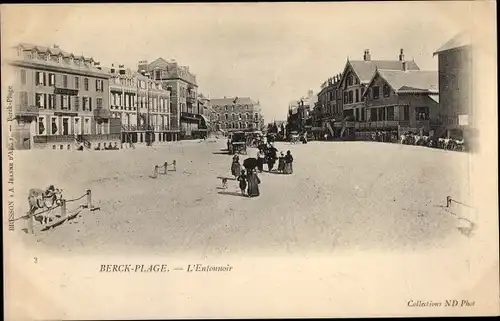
250	160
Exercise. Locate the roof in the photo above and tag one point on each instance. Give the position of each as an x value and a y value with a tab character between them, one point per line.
460	40
410	81
365	69
232	101
52	50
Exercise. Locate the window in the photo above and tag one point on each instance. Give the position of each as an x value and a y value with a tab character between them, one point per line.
363	112
41	126
86	84
40	78
51	101
98	102
376	92
387	90
350	97
406	113
76	102
422	113
349	80
99	85
357	95
86	128
65	81
77	127
234	117
357	114
256	116
23	77
52	79
345	97
53	126
85	103
77	83
40	100
64	102
226	116
90	103
390	113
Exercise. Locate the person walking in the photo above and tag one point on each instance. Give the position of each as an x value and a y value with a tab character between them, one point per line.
281	163
253	184
243	182
288	163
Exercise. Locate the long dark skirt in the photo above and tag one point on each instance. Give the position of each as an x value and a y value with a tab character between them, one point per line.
260	164
253	186
288	168
281	165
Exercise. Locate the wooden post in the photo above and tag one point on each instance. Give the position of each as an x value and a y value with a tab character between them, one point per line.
166	167
63	208
175	168
448	201
30	223
89	199
155	172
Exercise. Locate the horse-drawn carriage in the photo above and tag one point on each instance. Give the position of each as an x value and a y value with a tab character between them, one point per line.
238	144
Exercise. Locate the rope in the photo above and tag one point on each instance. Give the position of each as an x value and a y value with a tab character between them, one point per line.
76	199
461	203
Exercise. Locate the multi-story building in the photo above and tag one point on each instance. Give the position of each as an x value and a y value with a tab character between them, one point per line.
355	77
207	113
61	99
183	93
299	113
142	105
237	113
400	100
455	84
328	108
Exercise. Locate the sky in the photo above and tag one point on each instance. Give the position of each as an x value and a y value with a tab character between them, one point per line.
273	53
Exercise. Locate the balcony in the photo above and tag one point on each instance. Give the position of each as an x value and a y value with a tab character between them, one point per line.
190	116
134	128
377	124
29	111
43	139
190	100
101	113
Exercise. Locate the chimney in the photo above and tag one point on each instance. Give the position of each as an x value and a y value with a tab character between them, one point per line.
112	69
401	55
366	56
403	65
56	46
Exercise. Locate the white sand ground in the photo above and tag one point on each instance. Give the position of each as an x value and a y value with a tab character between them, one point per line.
342	196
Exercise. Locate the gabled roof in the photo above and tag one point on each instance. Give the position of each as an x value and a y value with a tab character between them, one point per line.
460	40
231	101
365	69
410	81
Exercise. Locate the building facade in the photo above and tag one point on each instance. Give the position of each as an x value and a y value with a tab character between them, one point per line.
400	101
207	113
142	105
183	93
60	101
455	84
300	113
328	109
355	77
237	113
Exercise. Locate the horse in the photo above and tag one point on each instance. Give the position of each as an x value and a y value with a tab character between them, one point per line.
39	199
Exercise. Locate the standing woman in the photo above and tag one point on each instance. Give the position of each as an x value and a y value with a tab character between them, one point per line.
288	163
243	182
253	184
260	158
235	166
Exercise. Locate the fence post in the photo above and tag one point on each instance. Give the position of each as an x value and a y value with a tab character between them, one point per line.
448	201
63	208
175	168
89	199
166	167
155	172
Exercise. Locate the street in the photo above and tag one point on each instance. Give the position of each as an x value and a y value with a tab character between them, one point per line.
342	196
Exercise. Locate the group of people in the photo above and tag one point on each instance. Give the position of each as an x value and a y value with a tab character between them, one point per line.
249	180
411	138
